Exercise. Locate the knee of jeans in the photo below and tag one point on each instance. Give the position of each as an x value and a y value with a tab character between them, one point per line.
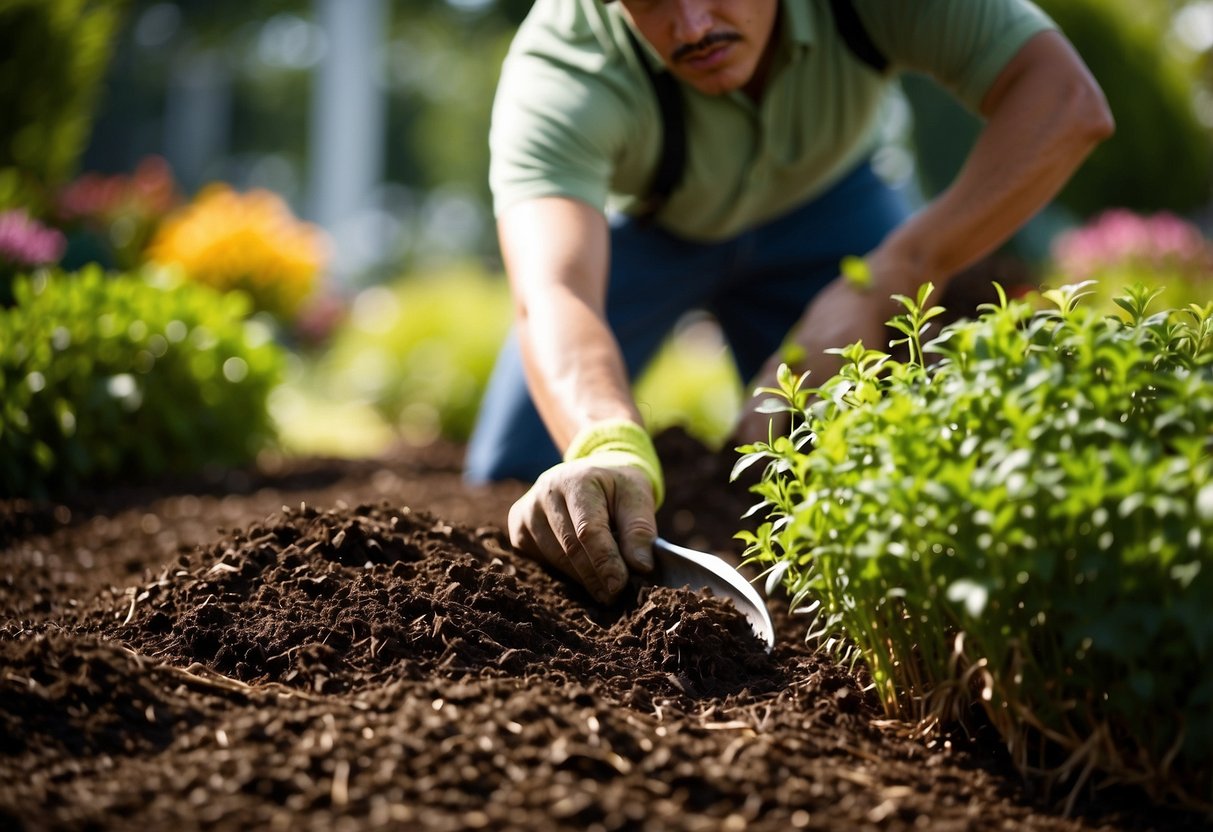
482	465
488	462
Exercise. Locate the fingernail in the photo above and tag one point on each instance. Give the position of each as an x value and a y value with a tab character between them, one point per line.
613	585
643	556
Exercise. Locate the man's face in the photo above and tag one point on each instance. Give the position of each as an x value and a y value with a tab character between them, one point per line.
715	46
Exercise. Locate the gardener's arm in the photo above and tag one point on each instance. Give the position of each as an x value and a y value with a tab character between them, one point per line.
556	255
1044	114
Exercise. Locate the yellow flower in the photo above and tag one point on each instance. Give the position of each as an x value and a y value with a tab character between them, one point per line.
250	241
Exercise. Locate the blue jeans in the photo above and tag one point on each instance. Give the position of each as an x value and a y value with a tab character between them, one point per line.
756	285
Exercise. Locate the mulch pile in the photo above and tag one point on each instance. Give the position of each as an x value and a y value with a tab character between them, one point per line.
326	644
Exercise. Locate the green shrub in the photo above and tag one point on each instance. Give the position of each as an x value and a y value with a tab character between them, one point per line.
421	351
53	55
1025	524
106	377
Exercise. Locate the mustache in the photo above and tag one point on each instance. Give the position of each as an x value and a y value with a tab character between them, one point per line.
712	39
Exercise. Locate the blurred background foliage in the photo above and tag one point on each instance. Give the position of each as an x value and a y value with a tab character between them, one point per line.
53	58
1151	59
124	118
253	67
420	350
1160	159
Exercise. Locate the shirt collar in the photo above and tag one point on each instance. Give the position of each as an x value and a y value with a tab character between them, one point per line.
798	29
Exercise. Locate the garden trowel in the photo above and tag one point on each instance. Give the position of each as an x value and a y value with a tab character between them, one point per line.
678	566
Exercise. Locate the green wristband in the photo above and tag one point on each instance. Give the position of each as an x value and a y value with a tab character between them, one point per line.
619	442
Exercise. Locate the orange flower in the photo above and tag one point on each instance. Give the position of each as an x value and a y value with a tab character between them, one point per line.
250	242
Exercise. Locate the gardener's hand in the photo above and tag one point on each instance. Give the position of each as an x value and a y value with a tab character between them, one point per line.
591	521
839	315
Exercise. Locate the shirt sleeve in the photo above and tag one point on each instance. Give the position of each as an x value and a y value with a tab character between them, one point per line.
963	44
554	133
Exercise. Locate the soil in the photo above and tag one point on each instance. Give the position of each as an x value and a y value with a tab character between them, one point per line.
329	644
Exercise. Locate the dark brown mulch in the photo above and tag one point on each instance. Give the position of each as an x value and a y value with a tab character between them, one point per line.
350	645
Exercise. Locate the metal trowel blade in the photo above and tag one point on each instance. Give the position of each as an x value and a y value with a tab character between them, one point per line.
678	566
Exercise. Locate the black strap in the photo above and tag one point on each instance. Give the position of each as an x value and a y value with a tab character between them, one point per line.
672	161
855	35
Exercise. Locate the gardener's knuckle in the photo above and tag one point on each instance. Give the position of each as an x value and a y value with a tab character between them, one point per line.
638	527
605	560
569	541
584	536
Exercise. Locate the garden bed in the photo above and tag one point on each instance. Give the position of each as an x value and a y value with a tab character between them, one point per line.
351	644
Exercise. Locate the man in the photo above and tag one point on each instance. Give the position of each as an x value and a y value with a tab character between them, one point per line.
780	99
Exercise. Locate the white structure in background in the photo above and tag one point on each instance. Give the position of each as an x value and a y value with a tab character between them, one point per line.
344	189
198	114
347	133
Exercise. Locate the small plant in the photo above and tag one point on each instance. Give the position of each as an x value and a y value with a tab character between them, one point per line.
248	242
1024	523
105	377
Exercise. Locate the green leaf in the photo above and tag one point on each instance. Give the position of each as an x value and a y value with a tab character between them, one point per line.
856	272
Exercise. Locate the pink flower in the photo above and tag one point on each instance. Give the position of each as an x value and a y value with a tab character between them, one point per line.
26	242
147	193
319	318
1119	238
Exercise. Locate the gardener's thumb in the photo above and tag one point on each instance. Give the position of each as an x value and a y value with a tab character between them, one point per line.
636	524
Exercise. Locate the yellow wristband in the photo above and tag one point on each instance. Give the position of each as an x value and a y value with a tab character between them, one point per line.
619	442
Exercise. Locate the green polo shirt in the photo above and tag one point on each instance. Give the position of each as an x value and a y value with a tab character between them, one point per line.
575	115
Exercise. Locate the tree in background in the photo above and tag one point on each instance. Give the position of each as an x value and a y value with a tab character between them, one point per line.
53	54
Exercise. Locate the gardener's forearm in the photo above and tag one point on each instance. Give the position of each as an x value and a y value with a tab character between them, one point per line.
556	253
574	370
1045	113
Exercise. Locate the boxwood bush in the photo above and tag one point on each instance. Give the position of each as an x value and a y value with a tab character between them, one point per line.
1017	520
115	377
